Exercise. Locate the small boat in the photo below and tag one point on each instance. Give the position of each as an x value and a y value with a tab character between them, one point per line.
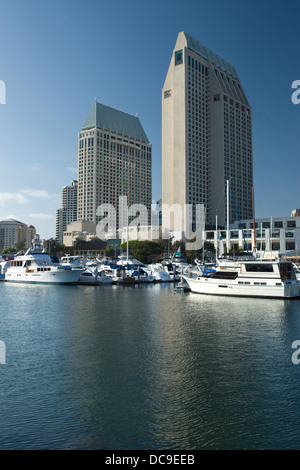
92	275
128	261
107	274
182	285
140	274
89	276
104	278
74	262
249	278
36	266
179	261
4	264
127	279
158	272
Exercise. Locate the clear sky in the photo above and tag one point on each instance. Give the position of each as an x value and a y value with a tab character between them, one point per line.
57	56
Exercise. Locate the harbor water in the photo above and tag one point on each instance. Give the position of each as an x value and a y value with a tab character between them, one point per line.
145	367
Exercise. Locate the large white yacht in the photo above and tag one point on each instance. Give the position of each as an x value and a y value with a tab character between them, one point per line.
250	278
37	266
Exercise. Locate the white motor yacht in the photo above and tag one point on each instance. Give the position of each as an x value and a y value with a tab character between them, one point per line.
250	278
36	266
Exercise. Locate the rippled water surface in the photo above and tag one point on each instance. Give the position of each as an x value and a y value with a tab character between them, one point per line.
142	367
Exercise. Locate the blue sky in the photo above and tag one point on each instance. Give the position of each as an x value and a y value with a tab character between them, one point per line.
57	56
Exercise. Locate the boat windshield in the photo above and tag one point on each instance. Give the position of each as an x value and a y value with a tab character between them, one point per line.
70	260
259	267
287	271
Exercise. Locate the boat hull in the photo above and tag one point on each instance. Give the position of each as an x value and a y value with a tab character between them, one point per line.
211	286
47	277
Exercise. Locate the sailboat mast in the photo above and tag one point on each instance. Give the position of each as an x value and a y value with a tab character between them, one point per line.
227	232
253	212
127	238
217	238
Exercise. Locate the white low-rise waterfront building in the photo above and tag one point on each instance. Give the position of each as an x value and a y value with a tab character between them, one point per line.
273	236
140	232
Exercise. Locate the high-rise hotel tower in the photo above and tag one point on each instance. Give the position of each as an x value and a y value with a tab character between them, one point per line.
114	159
206	135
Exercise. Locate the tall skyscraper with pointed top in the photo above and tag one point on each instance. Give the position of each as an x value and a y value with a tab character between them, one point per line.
206	135
114	159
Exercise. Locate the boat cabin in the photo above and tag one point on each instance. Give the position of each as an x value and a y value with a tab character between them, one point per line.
266	269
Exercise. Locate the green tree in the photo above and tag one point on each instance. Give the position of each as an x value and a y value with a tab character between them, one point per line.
176	245
236	250
20	245
144	251
109	251
192	255
7	250
53	248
